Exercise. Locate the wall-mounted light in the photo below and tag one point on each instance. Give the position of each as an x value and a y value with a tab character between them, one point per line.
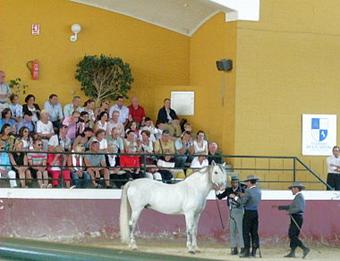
75	28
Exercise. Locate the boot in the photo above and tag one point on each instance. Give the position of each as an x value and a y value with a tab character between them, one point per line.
291	253
306	250
253	251
234	251
242	251
246	253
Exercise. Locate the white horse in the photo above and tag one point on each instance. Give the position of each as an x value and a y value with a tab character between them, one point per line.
187	197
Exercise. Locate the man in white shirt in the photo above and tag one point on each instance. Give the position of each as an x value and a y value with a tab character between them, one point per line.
74	106
54	109
333	163
123	110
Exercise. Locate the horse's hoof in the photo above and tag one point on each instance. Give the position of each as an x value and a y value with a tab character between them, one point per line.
192	252
133	247
197	250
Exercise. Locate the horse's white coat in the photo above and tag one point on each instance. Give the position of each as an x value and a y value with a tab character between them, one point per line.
187	197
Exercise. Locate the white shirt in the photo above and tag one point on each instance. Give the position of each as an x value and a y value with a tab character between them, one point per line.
123	113
56	141
195	164
45	128
203	147
118	126
332	162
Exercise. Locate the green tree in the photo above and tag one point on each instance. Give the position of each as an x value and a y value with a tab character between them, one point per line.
104	77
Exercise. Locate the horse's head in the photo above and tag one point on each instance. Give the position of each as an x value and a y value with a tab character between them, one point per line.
218	176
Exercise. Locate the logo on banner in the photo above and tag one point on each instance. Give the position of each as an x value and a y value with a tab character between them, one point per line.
319	129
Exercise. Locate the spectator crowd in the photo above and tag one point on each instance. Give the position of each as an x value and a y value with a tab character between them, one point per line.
80	145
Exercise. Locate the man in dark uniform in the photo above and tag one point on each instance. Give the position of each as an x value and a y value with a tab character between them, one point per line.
250	200
235	214
296	210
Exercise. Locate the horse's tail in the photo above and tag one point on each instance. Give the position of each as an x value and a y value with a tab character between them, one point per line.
125	214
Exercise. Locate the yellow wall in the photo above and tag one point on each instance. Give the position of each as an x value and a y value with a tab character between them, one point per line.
157	56
287	64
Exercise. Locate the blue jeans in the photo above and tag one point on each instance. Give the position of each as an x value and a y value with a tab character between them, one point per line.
81	182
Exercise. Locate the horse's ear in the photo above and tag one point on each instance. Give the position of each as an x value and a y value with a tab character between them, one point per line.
223	165
213	163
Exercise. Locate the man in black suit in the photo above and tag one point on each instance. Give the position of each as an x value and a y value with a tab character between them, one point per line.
296	210
167	119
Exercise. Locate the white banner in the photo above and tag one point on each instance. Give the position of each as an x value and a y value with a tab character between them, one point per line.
318	134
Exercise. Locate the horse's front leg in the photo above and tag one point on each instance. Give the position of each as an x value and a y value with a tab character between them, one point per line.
194	235
189	220
132	224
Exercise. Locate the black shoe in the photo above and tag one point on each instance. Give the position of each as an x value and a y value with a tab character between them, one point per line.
253	251
242	251
306	250
109	187
291	253
234	251
246	253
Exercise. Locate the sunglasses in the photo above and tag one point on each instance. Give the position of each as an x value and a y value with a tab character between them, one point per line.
39	144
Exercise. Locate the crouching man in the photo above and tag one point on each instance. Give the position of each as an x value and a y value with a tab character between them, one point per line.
296	210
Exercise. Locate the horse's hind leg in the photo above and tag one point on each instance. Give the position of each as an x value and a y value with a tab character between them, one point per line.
133	222
189	220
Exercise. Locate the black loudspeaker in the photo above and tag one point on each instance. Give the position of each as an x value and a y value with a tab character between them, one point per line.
224	65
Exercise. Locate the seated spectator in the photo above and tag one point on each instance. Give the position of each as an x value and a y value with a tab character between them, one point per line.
83	139
165	145
104	106
102	123
136	112
72	123
123	110
114	123
132	126
37	160
198	162
100	137
15	107
200	144
6	118
80	177
32	107
83	122
5	91
131	163
115	144
213	154
72	107
19	163
168	120
187	127
184	148
89	108
55	111
155	133
26	122
96	166
57	166
26	139
6	137
45	129
60	140
6	167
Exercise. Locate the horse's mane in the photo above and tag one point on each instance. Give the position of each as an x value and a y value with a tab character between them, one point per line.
200	172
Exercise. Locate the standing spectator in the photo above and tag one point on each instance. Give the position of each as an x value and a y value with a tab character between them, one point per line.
114	123
25	137
83	139
26	122
80	177
6	167
72	123
123	110
55	111
184	148
15	107
74	106
6	118
104	106
45	129
213	154
32	107
136	112
333	163
6	137
96	165
102	123
168	120
200	144
5	91
19	163
89	107
37	161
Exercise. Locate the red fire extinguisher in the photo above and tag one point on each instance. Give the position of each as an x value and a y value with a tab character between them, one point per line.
33	67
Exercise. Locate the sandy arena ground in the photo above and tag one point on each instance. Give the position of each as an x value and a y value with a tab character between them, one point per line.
217	251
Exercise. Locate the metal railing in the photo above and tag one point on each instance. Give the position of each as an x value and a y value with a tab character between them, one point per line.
275	172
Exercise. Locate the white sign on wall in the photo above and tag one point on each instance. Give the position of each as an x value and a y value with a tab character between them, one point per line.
183	102
318	134
35	29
